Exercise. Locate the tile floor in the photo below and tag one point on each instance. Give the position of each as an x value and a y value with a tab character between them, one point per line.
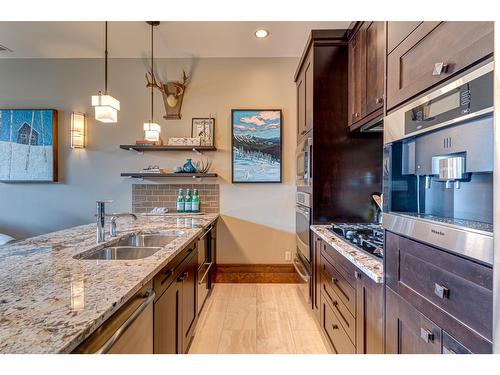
257	318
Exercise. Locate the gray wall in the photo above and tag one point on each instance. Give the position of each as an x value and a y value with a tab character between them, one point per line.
257	223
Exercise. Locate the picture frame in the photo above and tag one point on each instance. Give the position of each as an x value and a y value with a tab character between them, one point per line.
203	128
256	146
28	145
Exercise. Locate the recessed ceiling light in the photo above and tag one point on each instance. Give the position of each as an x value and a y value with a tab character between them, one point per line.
262	33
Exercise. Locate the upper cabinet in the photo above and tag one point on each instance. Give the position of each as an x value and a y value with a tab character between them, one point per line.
366	73
305	97
425	54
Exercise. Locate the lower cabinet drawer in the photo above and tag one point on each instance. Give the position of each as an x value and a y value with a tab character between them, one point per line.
335	279
347	320
338	337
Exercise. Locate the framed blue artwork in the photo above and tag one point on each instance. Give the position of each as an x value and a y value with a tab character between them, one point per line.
256	145
28	145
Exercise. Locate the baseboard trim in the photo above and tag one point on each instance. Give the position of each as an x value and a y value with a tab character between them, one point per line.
256	273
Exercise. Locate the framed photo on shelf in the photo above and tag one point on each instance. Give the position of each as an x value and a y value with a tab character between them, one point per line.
203	128
256	140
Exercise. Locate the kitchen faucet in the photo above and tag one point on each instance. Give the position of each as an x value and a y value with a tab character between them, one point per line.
101	220
114	217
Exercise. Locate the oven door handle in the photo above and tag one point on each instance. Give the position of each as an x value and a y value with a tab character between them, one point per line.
303	211
297	264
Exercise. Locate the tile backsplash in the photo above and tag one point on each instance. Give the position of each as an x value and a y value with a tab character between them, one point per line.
147	196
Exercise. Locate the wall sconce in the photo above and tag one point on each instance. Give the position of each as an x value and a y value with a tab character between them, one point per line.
78	126
152	131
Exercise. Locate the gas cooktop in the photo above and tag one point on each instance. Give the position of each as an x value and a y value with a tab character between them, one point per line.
366	237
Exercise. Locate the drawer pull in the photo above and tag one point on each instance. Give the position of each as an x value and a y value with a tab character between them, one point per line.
183	277
335	280
357	275
167	275
441	291
426	335
334	326
439	68
379	100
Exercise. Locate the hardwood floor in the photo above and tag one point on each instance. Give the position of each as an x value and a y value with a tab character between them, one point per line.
257	318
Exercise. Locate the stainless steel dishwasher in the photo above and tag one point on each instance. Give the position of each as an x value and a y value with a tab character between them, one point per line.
128	331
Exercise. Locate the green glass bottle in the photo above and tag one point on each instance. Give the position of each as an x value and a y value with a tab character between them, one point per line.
180	202
195	203
187	201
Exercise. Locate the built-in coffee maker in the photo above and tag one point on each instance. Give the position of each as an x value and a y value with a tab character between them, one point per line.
438	167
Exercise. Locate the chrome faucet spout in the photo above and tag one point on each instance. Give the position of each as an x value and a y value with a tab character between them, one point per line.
114	217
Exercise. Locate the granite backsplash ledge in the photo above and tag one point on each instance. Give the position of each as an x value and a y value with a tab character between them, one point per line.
147	196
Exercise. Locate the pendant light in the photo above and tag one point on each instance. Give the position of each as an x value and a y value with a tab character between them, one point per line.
151	129
106	107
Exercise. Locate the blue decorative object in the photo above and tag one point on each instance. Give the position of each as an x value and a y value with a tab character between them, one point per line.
189	167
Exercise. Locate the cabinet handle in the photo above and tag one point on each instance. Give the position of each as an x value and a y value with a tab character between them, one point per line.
426	335
379	100
356	115
439	68
167	275
334	280
334	326
357	275
183	276
441	291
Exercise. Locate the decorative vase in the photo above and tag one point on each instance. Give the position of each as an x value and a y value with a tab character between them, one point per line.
189	167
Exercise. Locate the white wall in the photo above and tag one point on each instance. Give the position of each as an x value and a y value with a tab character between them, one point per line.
257	223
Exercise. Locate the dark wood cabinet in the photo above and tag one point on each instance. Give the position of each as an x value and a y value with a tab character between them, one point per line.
452	292
316	279
301	106
409	331
369	315
175	308
366	73
189	299
350	303
431	53
167	321
305	82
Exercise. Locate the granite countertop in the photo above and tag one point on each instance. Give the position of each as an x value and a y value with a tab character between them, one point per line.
371	266
50	302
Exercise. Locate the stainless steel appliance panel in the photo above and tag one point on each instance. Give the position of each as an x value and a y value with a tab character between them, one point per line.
472	243
302	225
303	156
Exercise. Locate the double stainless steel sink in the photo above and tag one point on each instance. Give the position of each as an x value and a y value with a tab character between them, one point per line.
137	246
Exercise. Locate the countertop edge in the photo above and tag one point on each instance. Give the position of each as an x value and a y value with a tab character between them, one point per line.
331	240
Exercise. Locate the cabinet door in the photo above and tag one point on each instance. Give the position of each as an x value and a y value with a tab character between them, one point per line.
375	56
301	106
309	82
407	330
189	299
167	321
356	86
369	315
413	66
316	281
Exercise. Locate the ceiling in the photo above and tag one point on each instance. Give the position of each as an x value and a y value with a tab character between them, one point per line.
172	39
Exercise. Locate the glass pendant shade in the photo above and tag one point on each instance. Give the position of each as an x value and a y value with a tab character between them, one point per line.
106	108
152	131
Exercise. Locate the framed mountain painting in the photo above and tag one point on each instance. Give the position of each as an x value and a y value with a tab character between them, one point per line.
28	145
256	145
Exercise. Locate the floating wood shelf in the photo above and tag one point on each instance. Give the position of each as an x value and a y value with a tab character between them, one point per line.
142	148
168	175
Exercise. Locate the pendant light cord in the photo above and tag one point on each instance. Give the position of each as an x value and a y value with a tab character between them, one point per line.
152	73
106	58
